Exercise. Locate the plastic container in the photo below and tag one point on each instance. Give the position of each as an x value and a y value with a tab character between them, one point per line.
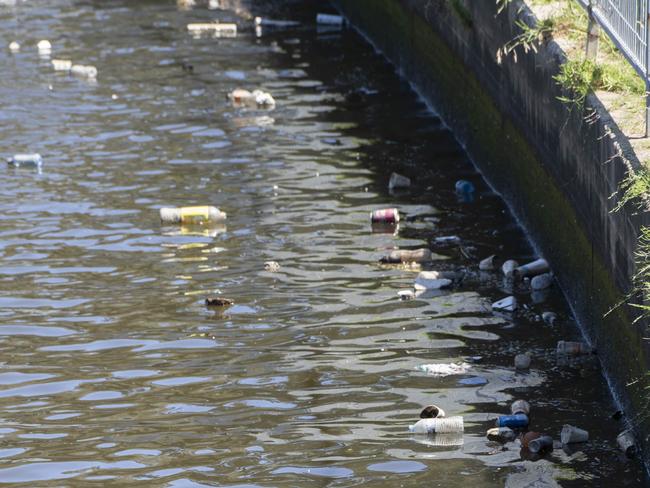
398	181
191	215
438	426
571	434
627	443
225	29
520	406
517	421
385	216
501	434
533	268
431	280
432	412
464	187
408	256
26	160
541	444
571	348
329	19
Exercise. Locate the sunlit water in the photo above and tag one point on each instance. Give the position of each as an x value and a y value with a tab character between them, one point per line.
114	371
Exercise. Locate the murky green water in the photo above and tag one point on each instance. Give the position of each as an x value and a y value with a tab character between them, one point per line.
113	371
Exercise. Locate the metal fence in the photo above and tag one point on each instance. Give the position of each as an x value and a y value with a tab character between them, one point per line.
626	22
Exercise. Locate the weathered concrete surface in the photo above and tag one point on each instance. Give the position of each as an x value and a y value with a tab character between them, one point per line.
557	168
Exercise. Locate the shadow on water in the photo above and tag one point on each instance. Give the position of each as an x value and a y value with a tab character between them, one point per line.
113	369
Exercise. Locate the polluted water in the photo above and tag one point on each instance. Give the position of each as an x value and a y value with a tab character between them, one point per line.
115	369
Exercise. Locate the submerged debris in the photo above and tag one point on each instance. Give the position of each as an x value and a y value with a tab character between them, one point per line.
256	98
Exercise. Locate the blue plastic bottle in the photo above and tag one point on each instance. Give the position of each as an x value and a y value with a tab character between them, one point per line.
513	421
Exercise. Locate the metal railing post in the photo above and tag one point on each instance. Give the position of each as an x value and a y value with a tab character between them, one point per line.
647	70
593	33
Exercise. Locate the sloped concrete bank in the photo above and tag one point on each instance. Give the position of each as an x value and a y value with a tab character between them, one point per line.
556	167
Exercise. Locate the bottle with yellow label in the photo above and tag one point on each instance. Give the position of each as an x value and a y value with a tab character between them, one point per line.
192	215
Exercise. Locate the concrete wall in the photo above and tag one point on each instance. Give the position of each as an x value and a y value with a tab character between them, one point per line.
555	169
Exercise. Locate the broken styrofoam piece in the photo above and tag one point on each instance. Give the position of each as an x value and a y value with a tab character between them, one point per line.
507	304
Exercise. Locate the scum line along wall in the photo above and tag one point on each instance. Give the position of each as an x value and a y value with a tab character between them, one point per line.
556	170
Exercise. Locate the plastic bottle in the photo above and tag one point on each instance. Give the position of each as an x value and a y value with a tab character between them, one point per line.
513	421
533	268
191	215
26	160
438	425
541	444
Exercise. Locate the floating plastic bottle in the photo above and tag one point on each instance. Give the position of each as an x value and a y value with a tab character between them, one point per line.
571	348
508	268
464	187
329	19
84	70
542	281
214	29
438	425
513	421
408	256
61	64
533	268
627	443
192	215
26	161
